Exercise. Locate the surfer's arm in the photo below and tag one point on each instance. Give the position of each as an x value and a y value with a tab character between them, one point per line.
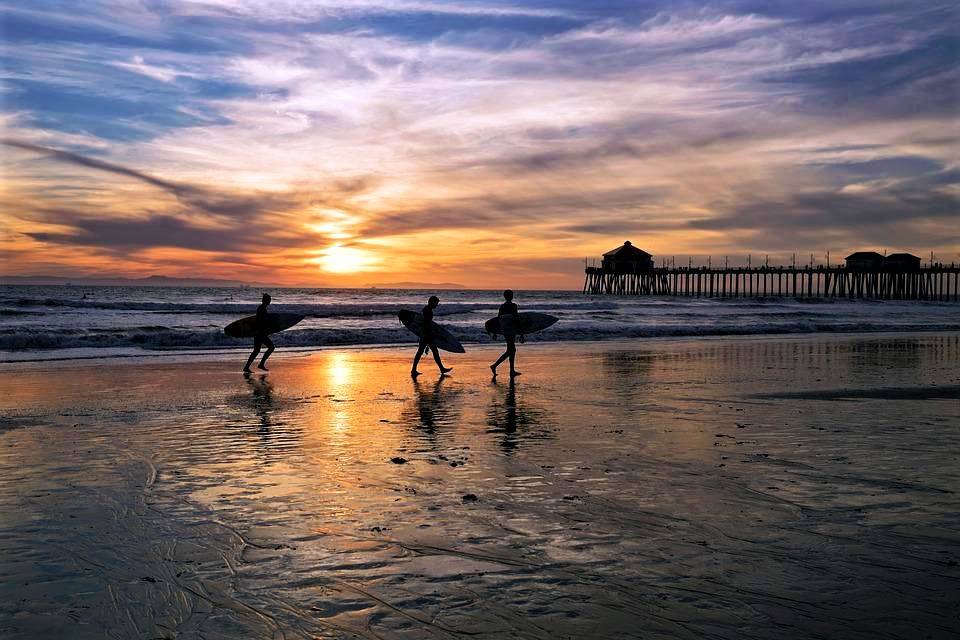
427	325
516	319
261	322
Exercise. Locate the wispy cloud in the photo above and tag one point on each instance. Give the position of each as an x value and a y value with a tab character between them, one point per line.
308	10
450	134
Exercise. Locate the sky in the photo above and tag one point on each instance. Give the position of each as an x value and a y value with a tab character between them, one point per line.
490	143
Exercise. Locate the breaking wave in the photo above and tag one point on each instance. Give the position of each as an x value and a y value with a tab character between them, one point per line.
327	310
118	320
166	338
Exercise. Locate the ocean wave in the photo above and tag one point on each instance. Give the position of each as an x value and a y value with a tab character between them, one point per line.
19	312
166	338
318	310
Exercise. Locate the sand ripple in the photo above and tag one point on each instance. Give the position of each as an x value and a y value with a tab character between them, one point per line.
718	488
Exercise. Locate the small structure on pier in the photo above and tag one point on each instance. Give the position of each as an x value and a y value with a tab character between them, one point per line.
901	262
864	261
627	259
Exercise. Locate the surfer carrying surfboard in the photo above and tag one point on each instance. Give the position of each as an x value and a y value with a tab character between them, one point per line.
426	340
261	336
509	308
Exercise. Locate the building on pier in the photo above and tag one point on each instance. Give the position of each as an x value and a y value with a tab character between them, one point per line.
627	259
901	262
864	261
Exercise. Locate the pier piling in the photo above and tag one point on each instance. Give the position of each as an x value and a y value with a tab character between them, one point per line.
938	282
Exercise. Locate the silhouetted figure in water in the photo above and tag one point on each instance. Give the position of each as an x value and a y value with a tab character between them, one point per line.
261	337
426	341
509	308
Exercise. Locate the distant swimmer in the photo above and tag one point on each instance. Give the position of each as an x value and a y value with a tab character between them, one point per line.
509	308
427	339
261	335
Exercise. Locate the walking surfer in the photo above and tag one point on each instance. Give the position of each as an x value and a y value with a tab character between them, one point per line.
509	308
261	336
426	340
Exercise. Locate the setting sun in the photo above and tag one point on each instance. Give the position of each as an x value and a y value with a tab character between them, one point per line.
342	259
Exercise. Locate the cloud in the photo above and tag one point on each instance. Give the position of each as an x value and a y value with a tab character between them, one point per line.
92	163
910	213
512	214
310	10
157	231
203	199
163	74
165	231
455	131
672	31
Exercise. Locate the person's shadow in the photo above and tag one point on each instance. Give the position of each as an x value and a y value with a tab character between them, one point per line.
512	419
262	401
434	407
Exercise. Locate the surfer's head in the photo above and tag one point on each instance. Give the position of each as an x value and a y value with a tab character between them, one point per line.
508	295
265	299
433	301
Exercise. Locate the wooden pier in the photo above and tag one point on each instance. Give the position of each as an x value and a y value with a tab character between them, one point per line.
933	283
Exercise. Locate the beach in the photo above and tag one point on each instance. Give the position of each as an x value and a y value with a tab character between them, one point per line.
791	486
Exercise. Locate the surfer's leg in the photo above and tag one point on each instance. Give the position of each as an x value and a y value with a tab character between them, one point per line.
270	347
436	358
503	356
512	354
256	350
416	359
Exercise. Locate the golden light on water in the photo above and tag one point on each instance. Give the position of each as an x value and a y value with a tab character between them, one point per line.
340	369
340	376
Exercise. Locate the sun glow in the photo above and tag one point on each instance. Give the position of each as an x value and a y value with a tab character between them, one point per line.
333	223
341	259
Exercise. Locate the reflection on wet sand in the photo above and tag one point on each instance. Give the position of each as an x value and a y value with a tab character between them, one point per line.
262	399
433	406
717	488
513	419
277	435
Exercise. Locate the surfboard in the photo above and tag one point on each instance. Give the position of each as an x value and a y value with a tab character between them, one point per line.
530	322
442	338
246	327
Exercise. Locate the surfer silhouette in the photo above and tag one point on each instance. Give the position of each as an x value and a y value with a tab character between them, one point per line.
509	308
261	337
426	341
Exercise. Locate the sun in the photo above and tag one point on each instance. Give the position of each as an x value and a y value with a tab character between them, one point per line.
341	259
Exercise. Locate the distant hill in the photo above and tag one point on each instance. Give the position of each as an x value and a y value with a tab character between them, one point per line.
150	281
416	285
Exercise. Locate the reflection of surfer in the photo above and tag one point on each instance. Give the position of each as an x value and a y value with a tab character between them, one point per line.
510	413
262	400
430	405
509	308
260	336
426	340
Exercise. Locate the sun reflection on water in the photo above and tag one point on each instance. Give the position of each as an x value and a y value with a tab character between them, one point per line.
339	369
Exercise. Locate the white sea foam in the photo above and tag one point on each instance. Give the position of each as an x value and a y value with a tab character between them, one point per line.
110	319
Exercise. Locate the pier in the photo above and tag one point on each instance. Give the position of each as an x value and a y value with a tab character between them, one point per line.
630	271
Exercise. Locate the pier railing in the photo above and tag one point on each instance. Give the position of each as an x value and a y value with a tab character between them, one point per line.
936	283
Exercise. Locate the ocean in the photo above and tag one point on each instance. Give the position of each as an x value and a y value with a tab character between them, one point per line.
68	322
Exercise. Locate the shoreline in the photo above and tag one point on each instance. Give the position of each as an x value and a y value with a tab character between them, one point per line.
674	488
225	353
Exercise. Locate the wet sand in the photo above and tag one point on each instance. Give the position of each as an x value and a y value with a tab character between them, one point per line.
780	487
